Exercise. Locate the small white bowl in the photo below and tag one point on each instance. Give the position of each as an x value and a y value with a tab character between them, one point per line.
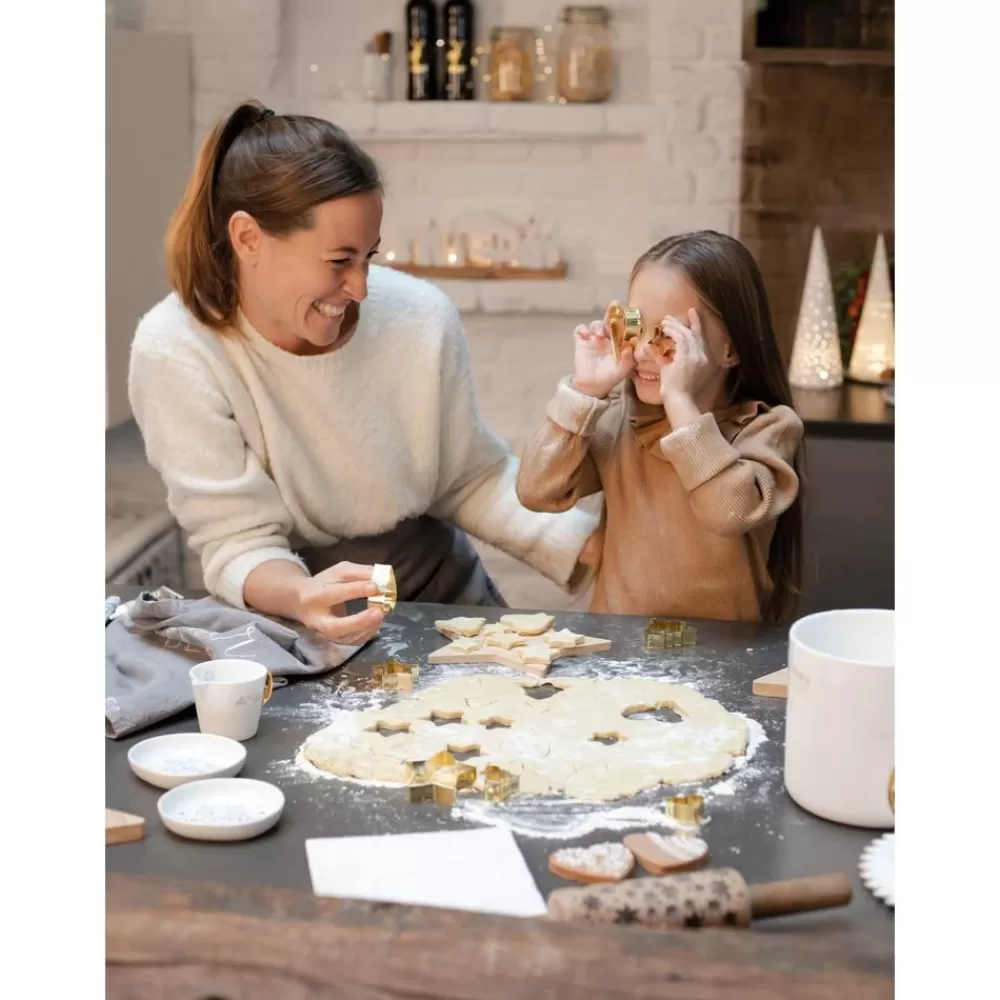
222	808
169	761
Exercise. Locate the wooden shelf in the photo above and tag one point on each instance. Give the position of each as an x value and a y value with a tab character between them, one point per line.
821	57
470	272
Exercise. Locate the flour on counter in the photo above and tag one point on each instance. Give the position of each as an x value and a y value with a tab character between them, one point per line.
551	817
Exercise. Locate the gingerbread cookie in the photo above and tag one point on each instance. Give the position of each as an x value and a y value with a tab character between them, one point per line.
609	862
660	854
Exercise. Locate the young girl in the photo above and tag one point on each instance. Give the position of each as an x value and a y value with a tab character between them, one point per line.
696	448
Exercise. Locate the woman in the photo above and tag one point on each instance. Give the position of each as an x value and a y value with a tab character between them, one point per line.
311	414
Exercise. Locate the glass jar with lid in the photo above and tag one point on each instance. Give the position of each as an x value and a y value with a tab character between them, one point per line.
512	69
585	67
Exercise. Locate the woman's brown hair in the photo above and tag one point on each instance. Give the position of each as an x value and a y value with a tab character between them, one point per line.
276	168
726	277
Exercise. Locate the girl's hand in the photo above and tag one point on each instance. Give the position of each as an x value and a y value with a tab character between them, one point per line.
322	600
691	368
596	372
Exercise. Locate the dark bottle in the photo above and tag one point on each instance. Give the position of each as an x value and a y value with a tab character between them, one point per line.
421	54
458	82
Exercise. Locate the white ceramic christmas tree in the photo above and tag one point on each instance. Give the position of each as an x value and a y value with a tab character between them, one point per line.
816	361
875	342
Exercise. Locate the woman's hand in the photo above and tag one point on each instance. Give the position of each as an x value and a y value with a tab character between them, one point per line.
322	600
596	372
690	370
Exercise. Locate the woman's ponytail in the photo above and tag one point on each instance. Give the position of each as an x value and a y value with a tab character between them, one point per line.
200	265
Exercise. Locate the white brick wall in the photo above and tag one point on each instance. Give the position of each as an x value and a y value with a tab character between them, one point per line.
661	158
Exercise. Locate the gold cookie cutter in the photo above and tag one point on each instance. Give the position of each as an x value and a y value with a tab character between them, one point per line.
499	785
385	579
686	809
663	633
438	779
395	676
625	326
892	791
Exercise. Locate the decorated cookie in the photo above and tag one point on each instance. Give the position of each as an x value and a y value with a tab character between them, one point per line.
528	624
609	862
660	854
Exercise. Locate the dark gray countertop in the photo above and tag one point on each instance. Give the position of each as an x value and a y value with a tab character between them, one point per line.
756	828
851	411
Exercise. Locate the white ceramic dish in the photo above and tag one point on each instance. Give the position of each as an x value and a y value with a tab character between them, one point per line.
221	809
878	868
169	761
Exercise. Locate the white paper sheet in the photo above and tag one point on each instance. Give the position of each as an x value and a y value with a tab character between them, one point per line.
481	870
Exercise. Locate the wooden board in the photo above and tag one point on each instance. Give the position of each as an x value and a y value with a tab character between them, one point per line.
772	685
174	938
511	657
120	827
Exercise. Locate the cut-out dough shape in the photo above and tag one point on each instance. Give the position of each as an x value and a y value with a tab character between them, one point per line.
548	744
505	640
498	643
467	645
528	624
460	627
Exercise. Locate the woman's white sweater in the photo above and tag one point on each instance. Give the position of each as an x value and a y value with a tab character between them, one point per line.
263	451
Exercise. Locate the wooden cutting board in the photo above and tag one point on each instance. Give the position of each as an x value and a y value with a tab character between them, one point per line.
772	685
121	827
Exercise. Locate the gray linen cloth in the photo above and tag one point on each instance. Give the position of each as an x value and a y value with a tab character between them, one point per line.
149	652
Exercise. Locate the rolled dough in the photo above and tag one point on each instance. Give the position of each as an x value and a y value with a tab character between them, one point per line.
550	742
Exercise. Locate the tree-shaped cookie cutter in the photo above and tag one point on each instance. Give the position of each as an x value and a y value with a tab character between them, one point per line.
438	779
663	633
395	676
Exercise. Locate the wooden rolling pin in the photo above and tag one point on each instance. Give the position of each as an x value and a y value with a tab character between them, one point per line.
713	897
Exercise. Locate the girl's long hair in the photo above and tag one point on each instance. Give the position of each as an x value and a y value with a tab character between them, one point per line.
726	277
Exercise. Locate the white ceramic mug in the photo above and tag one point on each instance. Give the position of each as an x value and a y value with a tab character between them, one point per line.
228	695
840	724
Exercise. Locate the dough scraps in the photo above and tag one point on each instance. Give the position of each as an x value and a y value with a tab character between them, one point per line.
553	744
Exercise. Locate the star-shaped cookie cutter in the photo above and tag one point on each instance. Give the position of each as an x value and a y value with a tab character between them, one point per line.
665	633
625	326
438	779
395	676
499	785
